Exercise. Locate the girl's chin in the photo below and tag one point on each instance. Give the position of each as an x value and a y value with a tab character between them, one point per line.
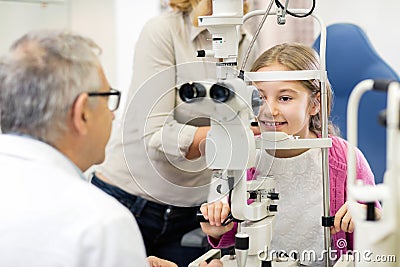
270	129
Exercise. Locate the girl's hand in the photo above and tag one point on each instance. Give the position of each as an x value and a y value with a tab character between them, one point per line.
215	213
344	221
157	262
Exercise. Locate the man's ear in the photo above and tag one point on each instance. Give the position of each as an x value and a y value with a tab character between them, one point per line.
79	114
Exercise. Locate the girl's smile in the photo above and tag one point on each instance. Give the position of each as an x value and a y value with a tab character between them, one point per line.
287	106
272	125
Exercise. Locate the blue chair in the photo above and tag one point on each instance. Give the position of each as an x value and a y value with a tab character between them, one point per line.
351	58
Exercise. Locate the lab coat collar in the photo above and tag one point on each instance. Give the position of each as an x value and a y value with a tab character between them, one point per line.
30	149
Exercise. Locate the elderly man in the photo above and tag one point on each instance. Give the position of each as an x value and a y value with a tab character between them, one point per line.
56	110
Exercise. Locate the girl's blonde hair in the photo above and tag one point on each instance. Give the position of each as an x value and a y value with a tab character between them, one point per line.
299	57
199	7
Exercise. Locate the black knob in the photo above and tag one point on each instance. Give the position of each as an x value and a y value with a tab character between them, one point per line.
371	211
273	196
273	208
201	53
242	241
253	195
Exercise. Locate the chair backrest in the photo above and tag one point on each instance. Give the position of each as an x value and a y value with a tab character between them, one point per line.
351	58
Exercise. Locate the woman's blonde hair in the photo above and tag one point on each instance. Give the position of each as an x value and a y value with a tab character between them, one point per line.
183	5
199	7
299	57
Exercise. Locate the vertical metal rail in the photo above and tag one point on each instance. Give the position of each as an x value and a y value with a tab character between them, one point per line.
324	121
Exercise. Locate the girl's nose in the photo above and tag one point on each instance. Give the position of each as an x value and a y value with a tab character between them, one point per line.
270	108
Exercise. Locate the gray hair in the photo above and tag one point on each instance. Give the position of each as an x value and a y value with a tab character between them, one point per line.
40	78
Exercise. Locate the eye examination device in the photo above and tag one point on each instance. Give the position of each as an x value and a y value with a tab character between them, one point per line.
376	242
231	147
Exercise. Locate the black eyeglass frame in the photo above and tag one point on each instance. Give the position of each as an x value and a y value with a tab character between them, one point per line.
109	93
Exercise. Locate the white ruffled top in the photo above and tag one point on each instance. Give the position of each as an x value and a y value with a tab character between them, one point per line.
300	205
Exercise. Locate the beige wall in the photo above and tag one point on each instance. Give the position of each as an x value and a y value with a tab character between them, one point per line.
115	25
379	19
16	18
96	19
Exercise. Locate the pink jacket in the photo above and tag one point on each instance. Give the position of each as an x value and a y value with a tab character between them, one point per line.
338	184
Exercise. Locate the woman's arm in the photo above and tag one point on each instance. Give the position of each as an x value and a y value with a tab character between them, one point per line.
198	146
155	77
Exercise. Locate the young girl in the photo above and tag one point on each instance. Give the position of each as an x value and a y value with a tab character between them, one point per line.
293	107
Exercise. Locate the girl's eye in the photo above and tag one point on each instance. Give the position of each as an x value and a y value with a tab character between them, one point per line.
262	97
285	98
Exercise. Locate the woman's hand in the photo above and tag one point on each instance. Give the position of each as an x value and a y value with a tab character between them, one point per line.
157	262
256	130
215	213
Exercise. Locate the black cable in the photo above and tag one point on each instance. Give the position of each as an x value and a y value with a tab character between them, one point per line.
297	15
253	40
230	217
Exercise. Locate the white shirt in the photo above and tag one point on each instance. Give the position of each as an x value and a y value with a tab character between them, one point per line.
51	217
159	128
299	184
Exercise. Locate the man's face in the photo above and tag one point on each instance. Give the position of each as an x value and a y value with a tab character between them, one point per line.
100	128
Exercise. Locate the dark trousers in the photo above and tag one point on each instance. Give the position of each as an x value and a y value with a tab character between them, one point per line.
162	226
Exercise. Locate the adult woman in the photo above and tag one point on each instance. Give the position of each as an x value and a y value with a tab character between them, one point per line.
165	179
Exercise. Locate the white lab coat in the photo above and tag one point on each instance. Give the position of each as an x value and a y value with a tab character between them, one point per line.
51	216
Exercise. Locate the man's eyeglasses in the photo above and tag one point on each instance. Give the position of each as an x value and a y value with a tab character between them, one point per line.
114	96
